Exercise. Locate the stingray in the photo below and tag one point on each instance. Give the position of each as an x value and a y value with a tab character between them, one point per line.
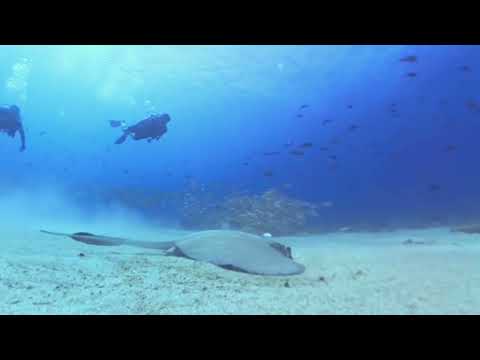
230	250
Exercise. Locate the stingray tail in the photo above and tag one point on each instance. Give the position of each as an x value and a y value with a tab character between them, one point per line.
155	245
56	233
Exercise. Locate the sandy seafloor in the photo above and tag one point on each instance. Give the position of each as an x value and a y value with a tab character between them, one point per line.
347	273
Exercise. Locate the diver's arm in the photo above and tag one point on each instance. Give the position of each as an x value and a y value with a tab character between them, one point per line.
22	138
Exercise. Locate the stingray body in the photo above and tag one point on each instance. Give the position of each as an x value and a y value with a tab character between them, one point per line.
231	250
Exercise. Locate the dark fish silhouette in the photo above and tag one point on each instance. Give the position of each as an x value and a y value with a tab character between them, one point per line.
353	127
299	115
303	107
151	128
468	229
325	122
411	74
415	242
296	152
451	147
288	144
245	164
116	123
350	106
305	145
409	59
465	68
473	105
268	173
323	148
333	157
433	187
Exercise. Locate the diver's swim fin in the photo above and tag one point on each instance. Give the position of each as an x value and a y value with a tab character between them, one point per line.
122	138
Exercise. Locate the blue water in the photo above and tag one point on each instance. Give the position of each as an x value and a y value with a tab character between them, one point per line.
231	104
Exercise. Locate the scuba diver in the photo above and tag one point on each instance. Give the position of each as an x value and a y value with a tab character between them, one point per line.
11	122
152	128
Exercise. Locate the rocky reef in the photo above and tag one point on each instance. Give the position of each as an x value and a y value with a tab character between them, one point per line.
271	212
200	209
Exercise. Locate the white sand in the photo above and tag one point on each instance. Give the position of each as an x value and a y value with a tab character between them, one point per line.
364	274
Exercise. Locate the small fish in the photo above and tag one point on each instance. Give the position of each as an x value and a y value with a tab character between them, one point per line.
125	171
325	122
271	153
436	219
473	105
413	242
333	157
268	173
451	147
433	187
296	152
299	115
409	59
350	106
305	145
304	106
411	74
323	148
116	123
245	164
290	143
353	127
465	68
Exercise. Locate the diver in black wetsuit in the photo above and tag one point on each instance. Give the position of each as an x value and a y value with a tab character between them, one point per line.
11	122
152	128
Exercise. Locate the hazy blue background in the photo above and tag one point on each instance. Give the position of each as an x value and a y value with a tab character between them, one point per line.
229	104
